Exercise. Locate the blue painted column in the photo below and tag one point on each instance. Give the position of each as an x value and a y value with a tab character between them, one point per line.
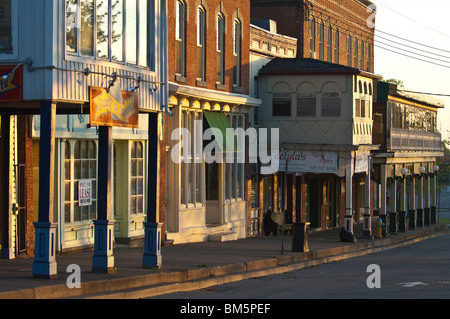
44	264
103	260
152	245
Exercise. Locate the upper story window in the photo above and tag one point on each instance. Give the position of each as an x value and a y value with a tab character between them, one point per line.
336	47
329	44
237	43
180	39
201	44
321	41
306	104
331	104
220	48
118	31
281	104
349	50
8	28
312	42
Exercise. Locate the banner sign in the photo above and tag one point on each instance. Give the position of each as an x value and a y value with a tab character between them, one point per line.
11	83
84	192
114	108
308	162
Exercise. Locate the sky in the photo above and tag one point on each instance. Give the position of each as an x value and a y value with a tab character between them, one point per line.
428	24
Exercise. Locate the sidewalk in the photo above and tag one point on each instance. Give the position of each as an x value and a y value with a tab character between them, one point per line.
193	266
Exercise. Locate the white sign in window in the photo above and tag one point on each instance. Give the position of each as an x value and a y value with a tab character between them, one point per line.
84	192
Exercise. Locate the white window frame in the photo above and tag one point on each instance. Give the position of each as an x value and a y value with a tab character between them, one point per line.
192	162
72	181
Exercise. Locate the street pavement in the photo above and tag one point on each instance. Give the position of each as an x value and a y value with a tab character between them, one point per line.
192	266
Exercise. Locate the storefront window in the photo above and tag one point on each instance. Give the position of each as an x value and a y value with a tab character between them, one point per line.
137	178
80	163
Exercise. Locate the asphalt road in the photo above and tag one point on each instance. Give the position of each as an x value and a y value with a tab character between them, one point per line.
418	271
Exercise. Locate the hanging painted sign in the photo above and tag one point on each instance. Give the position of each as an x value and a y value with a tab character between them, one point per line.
84	192
114	107
308	162
11	79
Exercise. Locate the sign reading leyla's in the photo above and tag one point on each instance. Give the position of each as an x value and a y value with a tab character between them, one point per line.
11	78
308	162
114	107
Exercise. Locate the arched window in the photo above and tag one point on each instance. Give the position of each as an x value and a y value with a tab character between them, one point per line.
201	43
180	39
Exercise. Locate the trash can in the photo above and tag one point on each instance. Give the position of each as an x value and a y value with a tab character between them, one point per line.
300	237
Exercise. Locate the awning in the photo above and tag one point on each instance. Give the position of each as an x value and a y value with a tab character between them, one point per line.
219	120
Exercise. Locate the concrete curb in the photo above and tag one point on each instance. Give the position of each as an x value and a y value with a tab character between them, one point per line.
164	283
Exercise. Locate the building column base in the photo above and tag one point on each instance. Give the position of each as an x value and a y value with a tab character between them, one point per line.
419	218
152	246
402	222
367	224
44	264
426	218
412	219
103	259
433	216
393	223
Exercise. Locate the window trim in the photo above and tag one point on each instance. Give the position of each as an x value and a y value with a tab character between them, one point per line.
72	200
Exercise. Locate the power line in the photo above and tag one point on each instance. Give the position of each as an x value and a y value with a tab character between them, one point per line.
411	19
418	54
408	46
395	36
412	57
425	93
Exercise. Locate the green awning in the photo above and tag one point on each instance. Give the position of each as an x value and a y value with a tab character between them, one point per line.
219	120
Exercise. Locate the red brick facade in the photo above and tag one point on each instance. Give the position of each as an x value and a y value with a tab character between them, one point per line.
236	9
349	18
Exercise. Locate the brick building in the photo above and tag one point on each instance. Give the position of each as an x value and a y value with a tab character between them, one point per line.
209	84
338	32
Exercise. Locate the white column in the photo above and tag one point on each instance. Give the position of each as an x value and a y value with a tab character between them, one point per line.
348	218
367	217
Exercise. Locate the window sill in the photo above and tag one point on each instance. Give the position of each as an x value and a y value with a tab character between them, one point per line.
220	86
181	79
201	83
237	89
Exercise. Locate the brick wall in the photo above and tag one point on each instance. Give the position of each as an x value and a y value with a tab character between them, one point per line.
348	16
231	9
